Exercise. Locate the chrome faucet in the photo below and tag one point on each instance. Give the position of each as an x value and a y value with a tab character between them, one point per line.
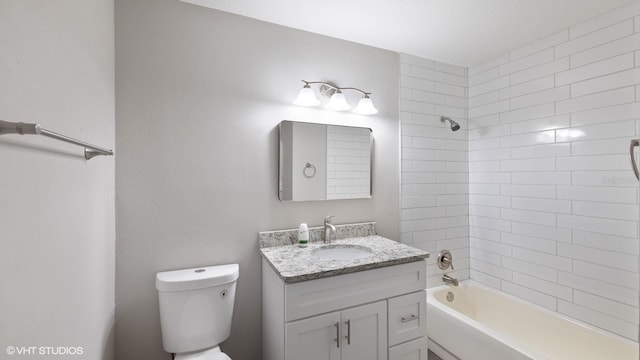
449	280
328	228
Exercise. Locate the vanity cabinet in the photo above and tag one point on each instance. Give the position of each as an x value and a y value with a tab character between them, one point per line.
375	314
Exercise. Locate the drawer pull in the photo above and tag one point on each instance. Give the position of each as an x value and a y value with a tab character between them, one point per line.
411	317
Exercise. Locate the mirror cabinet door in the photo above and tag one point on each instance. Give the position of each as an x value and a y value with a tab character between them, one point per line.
324	162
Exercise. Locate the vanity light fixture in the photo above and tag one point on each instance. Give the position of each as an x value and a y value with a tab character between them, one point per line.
365	106
337	101
306	97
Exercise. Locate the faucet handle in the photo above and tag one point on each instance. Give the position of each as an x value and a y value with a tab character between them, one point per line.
327	219
445	260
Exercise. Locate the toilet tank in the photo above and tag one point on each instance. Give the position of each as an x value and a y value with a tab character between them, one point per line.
196	306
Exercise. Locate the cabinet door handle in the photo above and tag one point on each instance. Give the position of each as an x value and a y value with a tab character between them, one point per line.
348	322
338	334
411	317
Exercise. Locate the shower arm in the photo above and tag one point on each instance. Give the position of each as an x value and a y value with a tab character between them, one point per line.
446	118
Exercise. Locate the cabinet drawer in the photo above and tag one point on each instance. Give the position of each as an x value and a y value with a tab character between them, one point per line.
319	296
412	350
407	316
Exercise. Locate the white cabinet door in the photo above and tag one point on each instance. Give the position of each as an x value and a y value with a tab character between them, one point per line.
364	334
315	338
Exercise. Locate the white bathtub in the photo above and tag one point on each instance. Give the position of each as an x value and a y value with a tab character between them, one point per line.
485	324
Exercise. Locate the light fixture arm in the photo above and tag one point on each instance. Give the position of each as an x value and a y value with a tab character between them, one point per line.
320	82
336	87
356	89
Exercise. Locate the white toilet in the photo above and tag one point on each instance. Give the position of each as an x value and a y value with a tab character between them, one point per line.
196	307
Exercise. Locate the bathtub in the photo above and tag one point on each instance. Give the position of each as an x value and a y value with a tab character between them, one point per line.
481	323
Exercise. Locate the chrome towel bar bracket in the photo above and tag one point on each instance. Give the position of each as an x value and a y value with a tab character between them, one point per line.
20	128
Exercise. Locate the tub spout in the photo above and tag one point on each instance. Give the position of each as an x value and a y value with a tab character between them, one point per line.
449	280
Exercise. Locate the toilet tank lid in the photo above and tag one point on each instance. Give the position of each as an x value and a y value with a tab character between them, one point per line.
196	278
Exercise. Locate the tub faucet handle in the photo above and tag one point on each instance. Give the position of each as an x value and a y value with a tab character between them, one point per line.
445	260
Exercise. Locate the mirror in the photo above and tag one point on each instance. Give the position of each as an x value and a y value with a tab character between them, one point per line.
324	162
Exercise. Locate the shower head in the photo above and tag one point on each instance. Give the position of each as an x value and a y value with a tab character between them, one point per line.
454	125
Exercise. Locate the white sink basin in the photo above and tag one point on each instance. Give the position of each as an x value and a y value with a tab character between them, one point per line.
342	252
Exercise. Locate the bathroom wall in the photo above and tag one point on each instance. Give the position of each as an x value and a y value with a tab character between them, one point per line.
434	162
553	202
57	226
199	96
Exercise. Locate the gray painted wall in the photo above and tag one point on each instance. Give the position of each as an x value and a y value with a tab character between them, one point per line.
57	224
199	96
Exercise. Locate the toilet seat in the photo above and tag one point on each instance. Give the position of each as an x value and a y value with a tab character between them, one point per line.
209	354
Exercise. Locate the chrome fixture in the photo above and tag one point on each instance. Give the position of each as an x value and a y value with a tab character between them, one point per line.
408	318
445	260
328	228
309	171
634	143
35	129
454	125
337	101
450	280
450	296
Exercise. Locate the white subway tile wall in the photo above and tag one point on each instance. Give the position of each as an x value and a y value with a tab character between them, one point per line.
553	204
348	162
435	167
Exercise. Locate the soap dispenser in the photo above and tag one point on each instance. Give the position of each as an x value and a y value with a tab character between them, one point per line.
303	236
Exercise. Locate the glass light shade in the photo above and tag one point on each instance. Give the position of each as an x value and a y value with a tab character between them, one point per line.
365	107
306	97
337	102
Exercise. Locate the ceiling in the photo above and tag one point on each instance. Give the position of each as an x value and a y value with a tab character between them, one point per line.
459	32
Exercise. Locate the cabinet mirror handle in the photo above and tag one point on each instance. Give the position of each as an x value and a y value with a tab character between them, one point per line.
338	334
348	322
633	144
411	317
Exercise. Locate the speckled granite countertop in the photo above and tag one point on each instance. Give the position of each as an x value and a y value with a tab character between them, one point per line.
294	264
